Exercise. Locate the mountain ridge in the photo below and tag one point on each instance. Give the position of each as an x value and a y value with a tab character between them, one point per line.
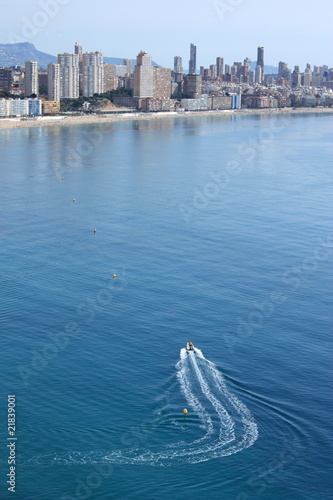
13	54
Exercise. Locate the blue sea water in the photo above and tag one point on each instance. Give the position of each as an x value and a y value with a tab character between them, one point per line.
219	231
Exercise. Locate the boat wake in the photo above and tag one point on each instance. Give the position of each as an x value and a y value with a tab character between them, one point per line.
226	425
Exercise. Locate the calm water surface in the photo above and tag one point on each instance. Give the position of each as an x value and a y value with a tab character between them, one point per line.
219	231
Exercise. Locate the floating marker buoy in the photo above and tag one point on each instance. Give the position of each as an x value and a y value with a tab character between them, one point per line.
185	411
114	276
95	230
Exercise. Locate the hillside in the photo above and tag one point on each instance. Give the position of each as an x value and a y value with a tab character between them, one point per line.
12	54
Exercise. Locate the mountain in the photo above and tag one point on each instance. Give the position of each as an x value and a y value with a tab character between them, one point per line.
12	54
268	70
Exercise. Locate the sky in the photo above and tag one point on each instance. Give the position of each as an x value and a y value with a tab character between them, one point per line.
296	32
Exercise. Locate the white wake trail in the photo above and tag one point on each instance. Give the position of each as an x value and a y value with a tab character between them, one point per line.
227	424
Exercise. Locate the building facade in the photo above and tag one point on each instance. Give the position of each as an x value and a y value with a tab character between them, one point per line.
53	82
69	76
192	66
192	86
31	78
143	76
219	67
6	79
92	74
162	83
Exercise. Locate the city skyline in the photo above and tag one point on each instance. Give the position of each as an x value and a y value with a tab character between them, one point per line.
232	29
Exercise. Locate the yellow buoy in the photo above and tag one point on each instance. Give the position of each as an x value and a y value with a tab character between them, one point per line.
185	411
114	276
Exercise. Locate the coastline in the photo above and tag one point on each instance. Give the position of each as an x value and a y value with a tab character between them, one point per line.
67	120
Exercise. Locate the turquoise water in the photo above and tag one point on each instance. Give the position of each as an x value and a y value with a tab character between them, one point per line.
218	230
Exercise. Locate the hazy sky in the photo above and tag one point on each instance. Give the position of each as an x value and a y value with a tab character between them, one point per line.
295	32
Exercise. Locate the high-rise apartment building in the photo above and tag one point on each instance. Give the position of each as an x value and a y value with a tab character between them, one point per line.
296	77
247	63
69	75
178	65
258	74
162	83
92	74
110	78
192	86
219	67
260	57
6	79
78	52
260	62
128	64
192	67
53	82
31	78
143	76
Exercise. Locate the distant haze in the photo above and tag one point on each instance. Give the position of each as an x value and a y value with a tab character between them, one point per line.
293	32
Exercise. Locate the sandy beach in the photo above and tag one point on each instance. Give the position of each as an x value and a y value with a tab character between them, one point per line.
66	120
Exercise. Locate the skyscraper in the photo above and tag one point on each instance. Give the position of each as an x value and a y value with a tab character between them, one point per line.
219	66
162	83
178	66
143	76
92	74
258	74
78	52
53	82
69	75
128	64
260	61
31	78
260	57
192	67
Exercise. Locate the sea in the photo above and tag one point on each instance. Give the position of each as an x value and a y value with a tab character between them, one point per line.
121	242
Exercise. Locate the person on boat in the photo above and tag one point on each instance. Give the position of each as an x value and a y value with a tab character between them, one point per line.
190	346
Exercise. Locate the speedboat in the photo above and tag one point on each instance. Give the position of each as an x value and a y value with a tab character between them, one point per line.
189	346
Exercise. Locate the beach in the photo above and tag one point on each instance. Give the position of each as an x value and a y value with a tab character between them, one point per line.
67	120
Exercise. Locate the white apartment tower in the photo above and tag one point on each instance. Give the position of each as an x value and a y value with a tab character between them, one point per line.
92	74
53	82
31	78
143	76
69	76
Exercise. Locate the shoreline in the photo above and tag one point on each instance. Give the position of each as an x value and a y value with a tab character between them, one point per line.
67	120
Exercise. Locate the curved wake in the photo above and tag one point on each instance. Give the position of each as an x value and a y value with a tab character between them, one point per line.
228	426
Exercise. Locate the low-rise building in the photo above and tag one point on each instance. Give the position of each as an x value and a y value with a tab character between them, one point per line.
5	107
50	107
